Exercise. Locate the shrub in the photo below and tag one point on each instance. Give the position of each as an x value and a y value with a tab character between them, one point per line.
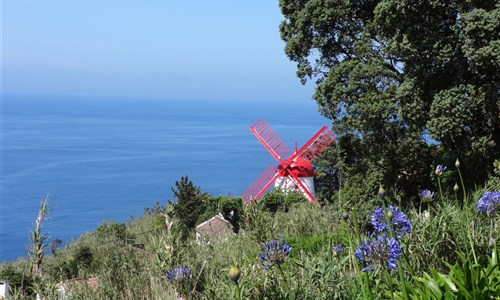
21	284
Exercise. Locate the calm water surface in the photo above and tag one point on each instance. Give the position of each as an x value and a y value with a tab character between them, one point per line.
107	160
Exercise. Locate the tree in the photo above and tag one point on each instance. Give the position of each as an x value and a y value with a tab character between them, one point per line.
232	209
408	84
190	202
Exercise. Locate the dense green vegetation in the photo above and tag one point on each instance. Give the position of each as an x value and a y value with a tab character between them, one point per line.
408	85
448	252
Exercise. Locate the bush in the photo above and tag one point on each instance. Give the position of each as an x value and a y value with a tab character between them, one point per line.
232	209
21	284
273	201
117	231
309	244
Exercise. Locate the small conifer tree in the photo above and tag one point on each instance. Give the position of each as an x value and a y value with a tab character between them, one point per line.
190	202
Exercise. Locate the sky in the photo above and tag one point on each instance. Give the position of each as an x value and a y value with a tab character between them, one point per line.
158	49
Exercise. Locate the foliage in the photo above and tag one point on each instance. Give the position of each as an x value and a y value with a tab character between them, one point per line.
84	257
293	198
190	203
231	209
116	231
494	181
276	200
438	250
465	280
309	244
407	84
38	247
80	264
273	201
39	239
20	283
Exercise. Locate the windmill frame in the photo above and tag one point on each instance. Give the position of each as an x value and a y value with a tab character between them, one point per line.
311	150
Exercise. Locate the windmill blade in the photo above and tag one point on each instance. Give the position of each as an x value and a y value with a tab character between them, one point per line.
316	145
303	188
261	184
271	141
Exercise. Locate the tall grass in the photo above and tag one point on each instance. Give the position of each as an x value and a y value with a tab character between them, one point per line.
448	250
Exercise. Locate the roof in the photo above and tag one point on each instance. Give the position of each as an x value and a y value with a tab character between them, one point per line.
215	229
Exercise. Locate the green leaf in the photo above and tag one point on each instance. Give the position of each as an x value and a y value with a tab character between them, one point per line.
446	280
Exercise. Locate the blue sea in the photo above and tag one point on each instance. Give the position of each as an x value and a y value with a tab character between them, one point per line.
107	159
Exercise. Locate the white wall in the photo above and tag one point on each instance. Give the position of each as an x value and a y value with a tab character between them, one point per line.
287	185
4	288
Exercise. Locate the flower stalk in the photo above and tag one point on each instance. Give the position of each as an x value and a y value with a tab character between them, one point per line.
367	292
457	165
440	169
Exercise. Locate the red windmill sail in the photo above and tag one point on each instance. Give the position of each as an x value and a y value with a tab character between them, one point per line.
291	167
271	141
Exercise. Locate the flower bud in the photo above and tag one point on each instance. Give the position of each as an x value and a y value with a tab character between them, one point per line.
390	215
381	191
456	188
345	216
234	273
457	163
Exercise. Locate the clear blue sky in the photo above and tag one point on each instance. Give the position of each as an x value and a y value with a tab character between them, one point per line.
165	49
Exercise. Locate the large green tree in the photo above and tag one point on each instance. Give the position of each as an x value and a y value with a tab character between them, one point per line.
408	84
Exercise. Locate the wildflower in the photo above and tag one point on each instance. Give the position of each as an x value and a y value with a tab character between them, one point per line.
426	195
274	254
457	163
234	273
379	252
489	203
440	170
399	221
456	188
337	250
179	276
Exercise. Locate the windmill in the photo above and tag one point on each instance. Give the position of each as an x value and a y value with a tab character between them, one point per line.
294	172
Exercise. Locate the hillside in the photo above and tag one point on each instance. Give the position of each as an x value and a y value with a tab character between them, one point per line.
285	248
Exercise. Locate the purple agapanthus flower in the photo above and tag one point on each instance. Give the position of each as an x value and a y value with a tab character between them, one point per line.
379	252
425	194
179	276
489	203
337	250
399	221
274	254
440	170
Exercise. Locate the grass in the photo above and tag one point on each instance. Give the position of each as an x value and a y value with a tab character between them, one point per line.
130	259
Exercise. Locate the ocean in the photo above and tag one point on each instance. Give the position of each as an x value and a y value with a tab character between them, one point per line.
106	160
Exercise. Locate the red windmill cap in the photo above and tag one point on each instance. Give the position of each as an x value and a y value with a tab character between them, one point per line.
299	167
302	167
